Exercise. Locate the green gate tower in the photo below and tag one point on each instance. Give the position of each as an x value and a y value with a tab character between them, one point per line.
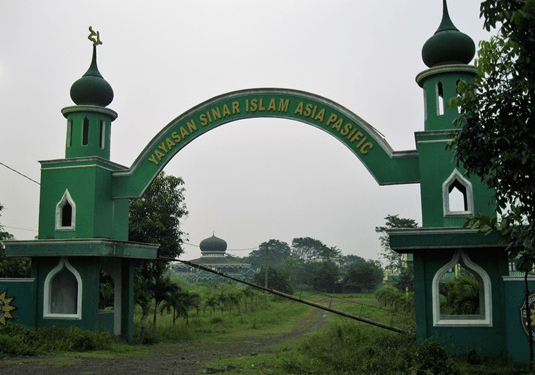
447	198
81	227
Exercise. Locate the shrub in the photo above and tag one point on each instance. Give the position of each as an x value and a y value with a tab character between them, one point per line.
432	358
16	339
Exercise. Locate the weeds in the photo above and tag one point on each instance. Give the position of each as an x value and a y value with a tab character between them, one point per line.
19	340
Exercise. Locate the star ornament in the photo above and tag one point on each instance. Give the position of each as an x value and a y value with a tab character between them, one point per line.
5	308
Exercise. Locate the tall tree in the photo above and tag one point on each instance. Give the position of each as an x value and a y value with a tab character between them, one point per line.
310	249
155	218
278	279
496	139
363	277
276	251
394	261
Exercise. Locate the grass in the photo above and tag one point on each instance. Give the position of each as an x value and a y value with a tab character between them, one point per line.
341	346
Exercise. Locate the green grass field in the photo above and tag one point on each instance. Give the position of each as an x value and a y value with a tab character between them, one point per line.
340	346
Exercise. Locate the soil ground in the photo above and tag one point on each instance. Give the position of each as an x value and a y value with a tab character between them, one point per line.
184	358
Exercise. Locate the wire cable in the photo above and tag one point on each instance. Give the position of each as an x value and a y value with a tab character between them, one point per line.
23	175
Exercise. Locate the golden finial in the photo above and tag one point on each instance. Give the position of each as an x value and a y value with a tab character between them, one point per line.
92	35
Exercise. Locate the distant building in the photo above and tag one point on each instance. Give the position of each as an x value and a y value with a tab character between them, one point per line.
213	255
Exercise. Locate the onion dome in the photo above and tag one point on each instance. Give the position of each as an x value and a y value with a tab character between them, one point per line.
92	88
213	245
448	45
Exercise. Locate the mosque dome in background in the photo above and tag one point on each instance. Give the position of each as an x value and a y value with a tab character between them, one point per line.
213	245
448	45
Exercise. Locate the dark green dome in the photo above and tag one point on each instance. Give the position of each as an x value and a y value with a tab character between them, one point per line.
213	245
92	88
448	45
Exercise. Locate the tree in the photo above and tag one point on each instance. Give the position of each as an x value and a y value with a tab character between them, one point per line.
394	261
324	276
496	140
277	252
310	249
363	277
163	290
155	218
351	259
278	279
12	266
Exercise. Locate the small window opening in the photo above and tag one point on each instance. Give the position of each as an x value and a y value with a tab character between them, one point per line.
425	104
69	133
458	108
457	197
440	99
106	292
66	215
85	132
102	133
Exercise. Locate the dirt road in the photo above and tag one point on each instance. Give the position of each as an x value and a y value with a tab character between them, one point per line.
185	358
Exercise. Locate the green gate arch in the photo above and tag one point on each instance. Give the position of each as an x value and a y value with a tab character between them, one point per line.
366	143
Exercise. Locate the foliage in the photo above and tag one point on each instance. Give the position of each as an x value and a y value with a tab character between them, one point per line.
155	218
394	261
12	266
432	358
309	249
278	279
461	296
495	140
277	250
16	339
363	277
347	260
320	275
396	299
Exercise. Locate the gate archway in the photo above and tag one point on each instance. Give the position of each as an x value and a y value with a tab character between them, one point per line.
366	143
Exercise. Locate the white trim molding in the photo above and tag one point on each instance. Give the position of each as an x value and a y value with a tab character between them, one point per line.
484	318
47	297
456	176
59	212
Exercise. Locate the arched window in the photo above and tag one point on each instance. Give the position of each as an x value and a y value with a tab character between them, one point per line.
440	99
66	213
102	137
462	294
457	195
63	292
85	131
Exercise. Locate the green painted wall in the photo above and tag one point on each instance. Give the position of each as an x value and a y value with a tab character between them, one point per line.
89	182
23	293
89	271
485	340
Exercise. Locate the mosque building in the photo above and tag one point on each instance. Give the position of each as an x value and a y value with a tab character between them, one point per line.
213	255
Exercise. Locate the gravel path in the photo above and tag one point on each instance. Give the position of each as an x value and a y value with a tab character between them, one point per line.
186	358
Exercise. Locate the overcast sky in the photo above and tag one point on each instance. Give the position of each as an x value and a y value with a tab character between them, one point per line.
164	57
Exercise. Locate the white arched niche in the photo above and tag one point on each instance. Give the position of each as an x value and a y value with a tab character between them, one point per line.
481	319
63	292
